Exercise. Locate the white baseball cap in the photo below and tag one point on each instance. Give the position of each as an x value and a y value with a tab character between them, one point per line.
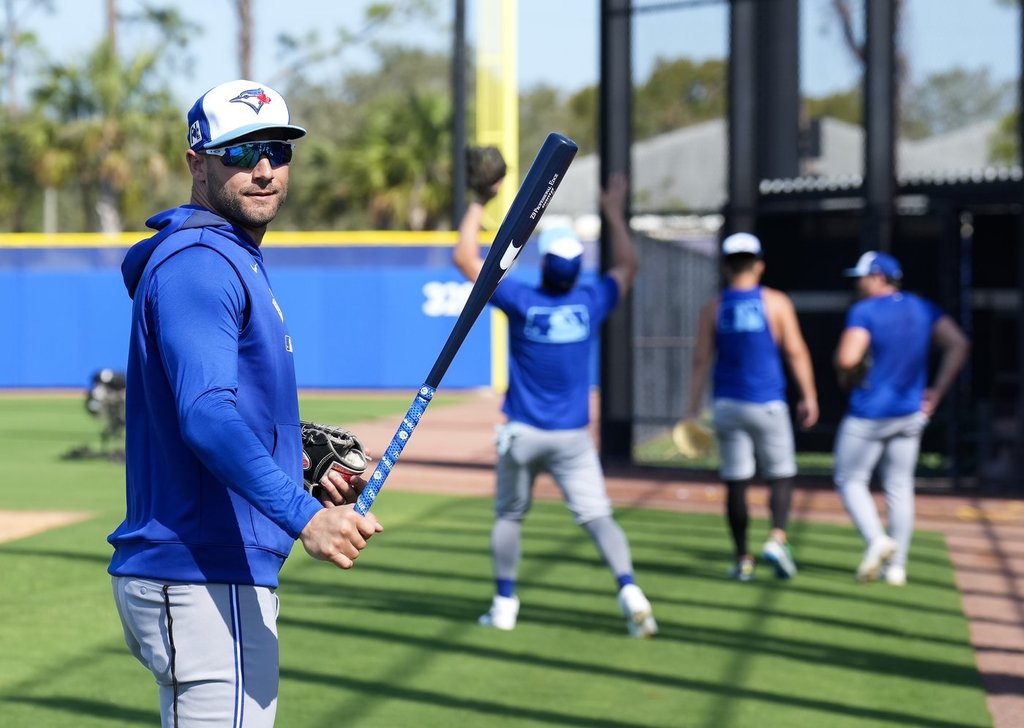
234	109
561	242
741	243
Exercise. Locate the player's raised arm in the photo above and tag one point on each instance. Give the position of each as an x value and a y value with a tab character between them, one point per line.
466	254
485	173
624	259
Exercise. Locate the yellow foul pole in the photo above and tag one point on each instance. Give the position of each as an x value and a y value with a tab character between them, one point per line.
497	124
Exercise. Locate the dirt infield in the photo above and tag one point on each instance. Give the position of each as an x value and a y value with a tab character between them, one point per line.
452	451
20	524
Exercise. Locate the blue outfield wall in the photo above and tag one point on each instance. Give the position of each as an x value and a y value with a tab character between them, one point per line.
370	316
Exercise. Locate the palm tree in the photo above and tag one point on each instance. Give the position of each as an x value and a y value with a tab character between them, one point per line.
104	116
401	168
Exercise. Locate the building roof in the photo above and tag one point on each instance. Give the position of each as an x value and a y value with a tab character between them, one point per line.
685	169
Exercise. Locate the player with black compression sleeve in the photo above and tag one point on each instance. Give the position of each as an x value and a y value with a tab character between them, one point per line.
214	462
743	336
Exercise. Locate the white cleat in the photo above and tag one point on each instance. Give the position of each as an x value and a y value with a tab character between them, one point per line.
502	615
895	574
637	611
877	553
780	557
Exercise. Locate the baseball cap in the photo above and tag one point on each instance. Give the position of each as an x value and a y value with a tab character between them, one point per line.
873	262
562	257
234	109
742	243
561	242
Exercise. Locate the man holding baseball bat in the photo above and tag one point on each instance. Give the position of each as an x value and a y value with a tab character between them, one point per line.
552	327
214	471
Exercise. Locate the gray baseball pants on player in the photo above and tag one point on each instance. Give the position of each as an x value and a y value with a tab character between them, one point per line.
211	647
571	459
892	444
754	437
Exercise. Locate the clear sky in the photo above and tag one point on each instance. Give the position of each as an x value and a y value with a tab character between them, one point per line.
558	39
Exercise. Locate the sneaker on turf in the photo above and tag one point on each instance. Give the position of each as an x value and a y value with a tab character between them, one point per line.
780	556
503	613
877	553
895	574
743	569
637	611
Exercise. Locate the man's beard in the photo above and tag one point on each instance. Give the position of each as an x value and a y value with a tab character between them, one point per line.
233	207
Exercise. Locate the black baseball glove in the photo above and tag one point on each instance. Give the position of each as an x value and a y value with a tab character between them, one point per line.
484	167
324	446
852	378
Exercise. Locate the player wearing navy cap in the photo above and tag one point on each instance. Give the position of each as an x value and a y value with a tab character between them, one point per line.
882	359
745	331
552	328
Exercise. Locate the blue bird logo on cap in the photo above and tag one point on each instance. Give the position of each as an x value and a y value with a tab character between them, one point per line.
254	98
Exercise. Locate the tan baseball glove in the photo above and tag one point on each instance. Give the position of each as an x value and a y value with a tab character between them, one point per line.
692	439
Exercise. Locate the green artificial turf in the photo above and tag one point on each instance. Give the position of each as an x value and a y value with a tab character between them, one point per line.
394	641
661	452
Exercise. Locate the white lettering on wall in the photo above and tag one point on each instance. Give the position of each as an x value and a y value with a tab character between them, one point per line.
445	298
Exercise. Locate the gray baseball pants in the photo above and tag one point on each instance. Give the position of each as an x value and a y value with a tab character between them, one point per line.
570	457
211	647
754	437
892	444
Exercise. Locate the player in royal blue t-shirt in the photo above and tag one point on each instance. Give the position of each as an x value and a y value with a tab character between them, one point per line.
552	328
883	359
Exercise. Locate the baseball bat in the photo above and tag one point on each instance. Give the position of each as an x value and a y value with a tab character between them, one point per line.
540	183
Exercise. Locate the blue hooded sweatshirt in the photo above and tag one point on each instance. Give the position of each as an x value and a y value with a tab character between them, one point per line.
213	445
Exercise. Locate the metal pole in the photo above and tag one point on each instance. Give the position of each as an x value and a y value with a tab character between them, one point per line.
459	114
744	176
879	125
1018	460
616	96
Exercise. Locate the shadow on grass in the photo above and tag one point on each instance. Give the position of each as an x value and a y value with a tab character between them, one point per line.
386	690
741	643
79	707
63	555
392	689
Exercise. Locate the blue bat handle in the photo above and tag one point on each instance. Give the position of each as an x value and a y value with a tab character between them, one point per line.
390	457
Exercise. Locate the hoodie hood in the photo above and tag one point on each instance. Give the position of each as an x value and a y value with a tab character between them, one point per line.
167	223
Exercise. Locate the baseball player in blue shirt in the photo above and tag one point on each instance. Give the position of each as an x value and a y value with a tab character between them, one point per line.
215	498
883	359
744	333
552	327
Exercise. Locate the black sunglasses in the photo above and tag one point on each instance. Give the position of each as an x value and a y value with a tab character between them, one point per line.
248	154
